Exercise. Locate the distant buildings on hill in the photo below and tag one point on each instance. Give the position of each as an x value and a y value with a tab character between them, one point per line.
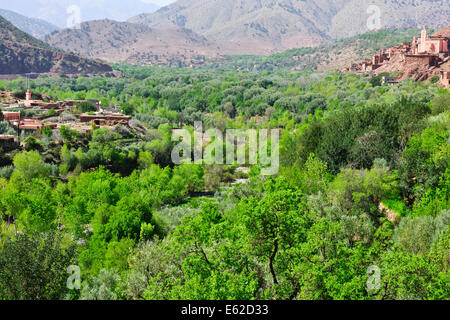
52	111
431	53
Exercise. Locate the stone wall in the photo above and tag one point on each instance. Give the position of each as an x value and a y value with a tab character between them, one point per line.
425	59
109	120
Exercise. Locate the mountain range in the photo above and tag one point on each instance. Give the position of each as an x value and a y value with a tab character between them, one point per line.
267	26
33	26
65	13
21	53
114	41
191	32
334	56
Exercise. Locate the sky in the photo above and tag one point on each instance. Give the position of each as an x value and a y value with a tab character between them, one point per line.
161	3
63	12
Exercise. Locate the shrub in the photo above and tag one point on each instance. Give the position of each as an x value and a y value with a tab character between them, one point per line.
434	79
31	143
86	107
6	172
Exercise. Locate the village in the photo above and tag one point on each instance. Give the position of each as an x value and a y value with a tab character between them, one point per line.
28	117
424	57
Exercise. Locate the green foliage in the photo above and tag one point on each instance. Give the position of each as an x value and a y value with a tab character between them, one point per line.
116	256
34	267
68	134
312	58
423	169
434	79
101	287
145	160
29	165
417	234
84	107
6	172
192	173
47	131
440	103
362	189
349	149
51	113
410	277
31	143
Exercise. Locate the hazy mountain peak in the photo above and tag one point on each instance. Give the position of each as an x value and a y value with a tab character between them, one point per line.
35	27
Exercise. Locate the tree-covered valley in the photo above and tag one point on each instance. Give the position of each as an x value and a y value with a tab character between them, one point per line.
363	185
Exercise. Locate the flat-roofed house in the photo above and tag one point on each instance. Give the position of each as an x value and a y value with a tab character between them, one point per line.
11	116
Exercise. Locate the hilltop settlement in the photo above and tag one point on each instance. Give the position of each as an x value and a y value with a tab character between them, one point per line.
424	57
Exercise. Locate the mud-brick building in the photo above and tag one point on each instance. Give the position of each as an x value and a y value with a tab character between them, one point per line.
105	119
11	116
33	125
425	59
438	43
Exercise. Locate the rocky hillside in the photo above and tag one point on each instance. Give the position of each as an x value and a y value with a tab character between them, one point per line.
21	53
114	41
266	26
35	27
333	56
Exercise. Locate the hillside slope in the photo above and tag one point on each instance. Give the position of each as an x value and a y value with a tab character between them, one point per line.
114	41
267	26
21	53
35	27
334	56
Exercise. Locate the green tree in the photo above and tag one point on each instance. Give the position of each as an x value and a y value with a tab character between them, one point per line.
29	165
47	131
34	267
101	287
31	143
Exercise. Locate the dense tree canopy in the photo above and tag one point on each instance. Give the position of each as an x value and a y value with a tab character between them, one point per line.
362	187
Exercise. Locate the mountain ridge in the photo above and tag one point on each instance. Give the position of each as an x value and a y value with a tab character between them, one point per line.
21	53
273	26
33	26
115	42
330	57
